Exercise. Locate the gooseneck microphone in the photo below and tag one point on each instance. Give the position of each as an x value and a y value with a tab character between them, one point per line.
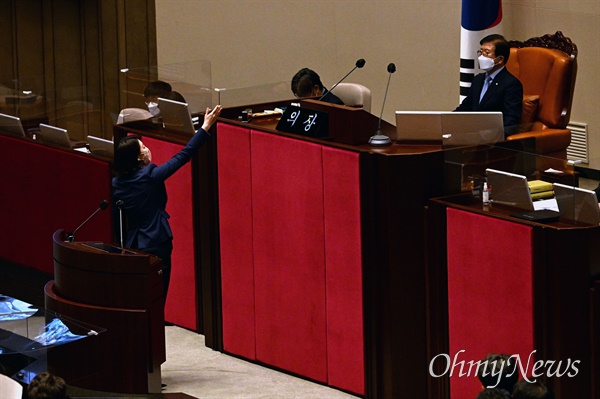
380	139
120	205
103	206
359	64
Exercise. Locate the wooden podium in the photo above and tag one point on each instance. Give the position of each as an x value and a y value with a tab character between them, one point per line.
121	291
521	287
348	125
322	258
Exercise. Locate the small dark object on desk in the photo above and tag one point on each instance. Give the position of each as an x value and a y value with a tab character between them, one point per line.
539	216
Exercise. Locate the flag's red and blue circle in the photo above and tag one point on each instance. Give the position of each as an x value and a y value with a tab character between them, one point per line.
481	14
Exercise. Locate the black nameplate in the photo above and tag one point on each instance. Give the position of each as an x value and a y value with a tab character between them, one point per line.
306	122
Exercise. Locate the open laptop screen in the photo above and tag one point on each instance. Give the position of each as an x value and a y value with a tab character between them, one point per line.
55	135
577	204
100	146
454	128
11	124
509	189
176	116
472	128
419	126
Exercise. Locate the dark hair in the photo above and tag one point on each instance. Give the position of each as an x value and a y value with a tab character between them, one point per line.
157	88
175	96
47	386
501	46
303	82
530	390
127	156
493	393
493	365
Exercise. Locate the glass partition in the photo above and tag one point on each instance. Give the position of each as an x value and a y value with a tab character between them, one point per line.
92	110
193	80
264	93
28	332
77	109
526	182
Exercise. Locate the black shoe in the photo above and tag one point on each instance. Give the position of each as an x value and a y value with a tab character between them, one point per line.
163	386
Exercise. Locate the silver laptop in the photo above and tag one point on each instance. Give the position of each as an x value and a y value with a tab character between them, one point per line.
102	147
509	189
55	135
577	204
176	116
419	126
11	124
453	128
472	128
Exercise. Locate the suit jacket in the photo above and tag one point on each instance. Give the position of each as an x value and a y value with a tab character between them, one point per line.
329	97
145	198
505	94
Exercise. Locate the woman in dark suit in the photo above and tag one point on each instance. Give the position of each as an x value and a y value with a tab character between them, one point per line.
139	188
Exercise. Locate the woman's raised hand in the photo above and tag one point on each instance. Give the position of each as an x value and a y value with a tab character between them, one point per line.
211	117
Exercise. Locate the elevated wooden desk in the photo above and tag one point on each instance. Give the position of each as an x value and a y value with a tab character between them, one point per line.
505	285
45	187
322	253
311	255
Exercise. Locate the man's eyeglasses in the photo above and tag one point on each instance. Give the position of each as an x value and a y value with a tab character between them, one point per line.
485	52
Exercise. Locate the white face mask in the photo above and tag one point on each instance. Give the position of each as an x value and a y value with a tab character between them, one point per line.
153	108
486	63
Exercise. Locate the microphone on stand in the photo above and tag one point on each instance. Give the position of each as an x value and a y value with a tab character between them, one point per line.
103	206
380	139
359	64
120	205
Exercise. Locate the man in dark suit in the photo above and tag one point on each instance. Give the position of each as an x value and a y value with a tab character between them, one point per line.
496	89
307	83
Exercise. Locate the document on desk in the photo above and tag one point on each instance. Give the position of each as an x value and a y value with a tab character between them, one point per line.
550	204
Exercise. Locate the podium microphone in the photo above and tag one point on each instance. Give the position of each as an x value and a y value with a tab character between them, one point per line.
119	205
380	139
103	206
359	64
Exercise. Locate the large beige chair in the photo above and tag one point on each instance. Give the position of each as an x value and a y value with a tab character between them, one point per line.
354	95
133	114
9	388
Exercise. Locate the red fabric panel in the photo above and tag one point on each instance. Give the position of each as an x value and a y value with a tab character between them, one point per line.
45	189
180	308
490	292
235	224
343	257
289	254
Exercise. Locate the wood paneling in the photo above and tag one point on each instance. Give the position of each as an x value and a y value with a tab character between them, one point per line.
71	52
6	43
